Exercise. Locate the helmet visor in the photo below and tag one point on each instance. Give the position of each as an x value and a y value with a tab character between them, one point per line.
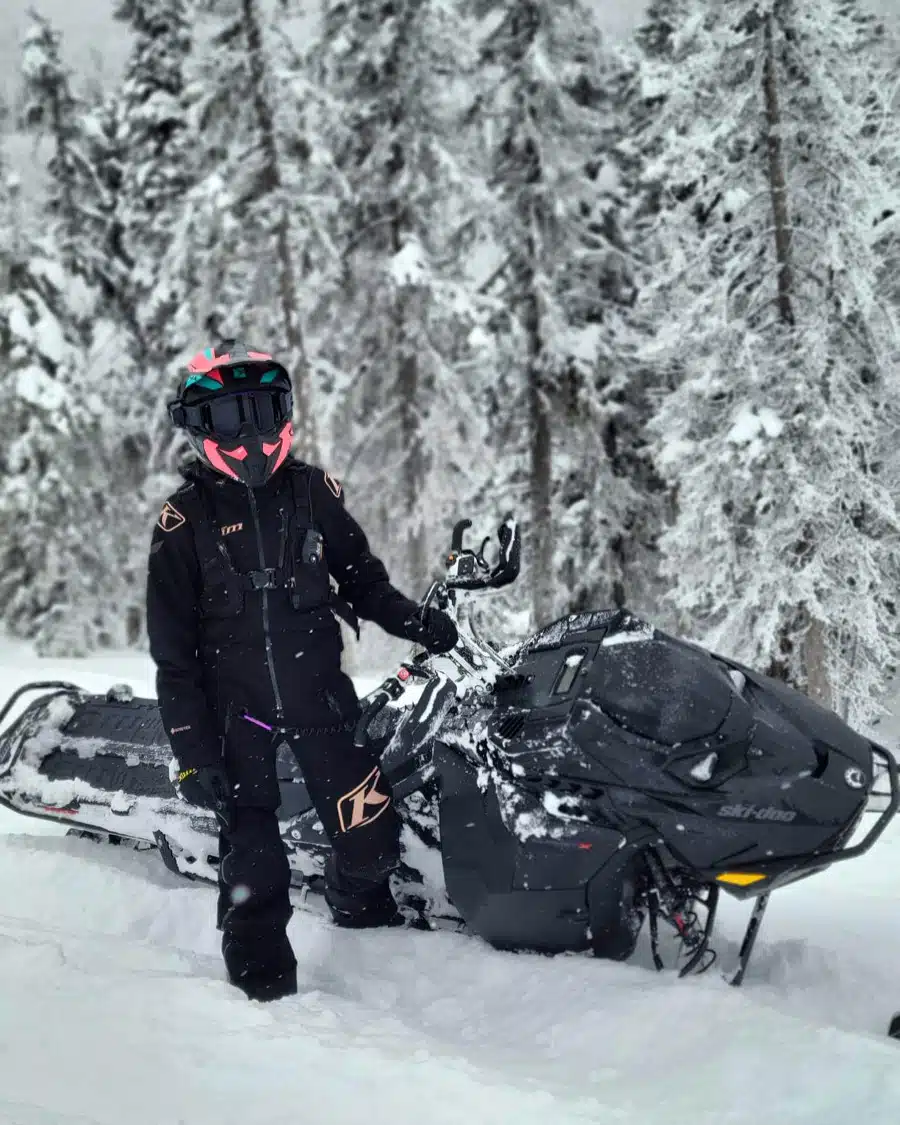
226	415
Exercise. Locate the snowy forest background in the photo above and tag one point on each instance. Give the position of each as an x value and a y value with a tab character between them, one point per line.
641	289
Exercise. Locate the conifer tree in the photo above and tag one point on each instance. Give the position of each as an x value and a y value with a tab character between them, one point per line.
401	307
156	137
544	113
159	165
88	489
771	324
41	503
243	233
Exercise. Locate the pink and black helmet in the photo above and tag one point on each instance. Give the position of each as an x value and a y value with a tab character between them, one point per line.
236	407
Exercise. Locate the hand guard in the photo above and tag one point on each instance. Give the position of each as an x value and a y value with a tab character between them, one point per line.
207	786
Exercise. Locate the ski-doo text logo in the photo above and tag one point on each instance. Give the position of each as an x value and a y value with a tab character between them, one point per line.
363	804
751	812
231	528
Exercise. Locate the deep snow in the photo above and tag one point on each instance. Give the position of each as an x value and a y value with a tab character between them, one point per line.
113	1010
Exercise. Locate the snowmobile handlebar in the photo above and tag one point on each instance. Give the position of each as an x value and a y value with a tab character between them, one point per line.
392	689
470	570
459	531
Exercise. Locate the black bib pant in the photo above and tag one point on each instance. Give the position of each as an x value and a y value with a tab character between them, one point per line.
354	804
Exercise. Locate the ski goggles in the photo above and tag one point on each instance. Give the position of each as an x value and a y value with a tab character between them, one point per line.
226	415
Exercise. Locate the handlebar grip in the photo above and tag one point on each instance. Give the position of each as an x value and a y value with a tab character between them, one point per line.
507	570
431	596
506	532
458	532
361	729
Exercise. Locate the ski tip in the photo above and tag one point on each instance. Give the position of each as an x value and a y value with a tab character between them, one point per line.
894	1028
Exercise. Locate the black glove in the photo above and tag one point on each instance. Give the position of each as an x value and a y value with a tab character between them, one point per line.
434	630
207	786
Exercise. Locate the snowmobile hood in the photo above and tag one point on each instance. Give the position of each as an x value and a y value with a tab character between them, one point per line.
622	690
650	730
648	683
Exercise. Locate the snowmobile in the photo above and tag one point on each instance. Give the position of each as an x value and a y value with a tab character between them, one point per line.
558	795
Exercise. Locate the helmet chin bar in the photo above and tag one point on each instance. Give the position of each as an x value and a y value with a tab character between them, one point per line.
214	458
282	447
253	461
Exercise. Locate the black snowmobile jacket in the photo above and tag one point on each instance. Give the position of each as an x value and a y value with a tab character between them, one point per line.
241	612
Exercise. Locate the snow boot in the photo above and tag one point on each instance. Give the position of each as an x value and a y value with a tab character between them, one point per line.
358	904
266	988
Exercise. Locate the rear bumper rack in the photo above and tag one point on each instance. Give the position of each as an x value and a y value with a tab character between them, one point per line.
11	741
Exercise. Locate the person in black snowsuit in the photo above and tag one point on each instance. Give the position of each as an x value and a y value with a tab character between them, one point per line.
241	616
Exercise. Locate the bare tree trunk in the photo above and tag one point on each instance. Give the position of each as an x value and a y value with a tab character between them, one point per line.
815	657
407	309
58	131
814	649
287	272
778	181
540	453
414	467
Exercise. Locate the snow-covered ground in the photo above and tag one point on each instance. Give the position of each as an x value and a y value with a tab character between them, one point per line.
113	1010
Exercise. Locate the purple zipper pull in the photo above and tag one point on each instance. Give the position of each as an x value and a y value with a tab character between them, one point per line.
257	722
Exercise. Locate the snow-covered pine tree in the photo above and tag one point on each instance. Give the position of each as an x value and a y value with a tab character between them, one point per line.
85	490
784	548
637	98
543	109
607	496
44	552
50	110
85	170
245	232
159	162
159	166
400	317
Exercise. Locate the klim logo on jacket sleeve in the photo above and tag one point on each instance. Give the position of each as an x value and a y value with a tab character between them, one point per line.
170	519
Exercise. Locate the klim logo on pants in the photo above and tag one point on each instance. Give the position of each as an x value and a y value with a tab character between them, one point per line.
363	804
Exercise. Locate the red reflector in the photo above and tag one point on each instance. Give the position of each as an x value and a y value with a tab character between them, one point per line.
403	674
585	847
68	812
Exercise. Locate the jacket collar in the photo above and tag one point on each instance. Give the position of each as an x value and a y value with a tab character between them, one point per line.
201	474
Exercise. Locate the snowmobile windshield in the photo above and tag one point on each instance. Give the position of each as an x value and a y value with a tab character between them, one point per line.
226	415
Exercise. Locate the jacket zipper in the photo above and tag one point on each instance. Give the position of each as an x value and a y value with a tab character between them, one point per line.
270	658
